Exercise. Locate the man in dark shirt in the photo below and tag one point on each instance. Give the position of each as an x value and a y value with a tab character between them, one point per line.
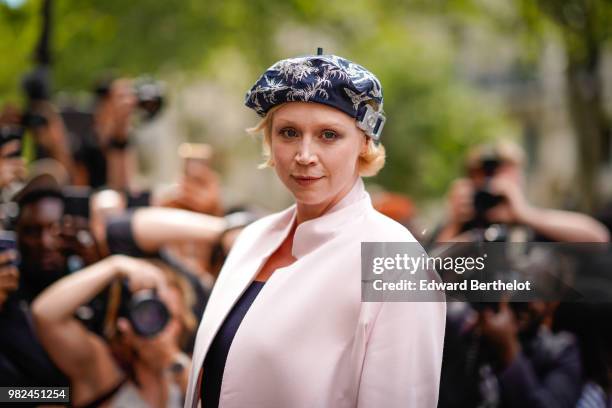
508	358
23	361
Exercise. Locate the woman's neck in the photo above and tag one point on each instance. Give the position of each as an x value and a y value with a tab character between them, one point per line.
306	212
153	384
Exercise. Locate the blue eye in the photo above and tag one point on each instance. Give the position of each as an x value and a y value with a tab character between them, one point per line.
289	133
329	135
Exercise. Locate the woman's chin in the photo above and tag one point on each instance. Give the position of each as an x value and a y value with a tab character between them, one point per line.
309	197
306	198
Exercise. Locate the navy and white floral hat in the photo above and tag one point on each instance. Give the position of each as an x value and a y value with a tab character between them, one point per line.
327	79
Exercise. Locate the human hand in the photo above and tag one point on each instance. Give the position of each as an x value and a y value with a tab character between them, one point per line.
501	329
159	351
9	275
514	208
139	274
461	202
115	114
11	168
52	136
78	239
199	192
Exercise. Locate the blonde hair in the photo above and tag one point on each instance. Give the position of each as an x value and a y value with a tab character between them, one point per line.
369	164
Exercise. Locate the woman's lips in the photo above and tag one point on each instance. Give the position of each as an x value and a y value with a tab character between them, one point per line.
306	180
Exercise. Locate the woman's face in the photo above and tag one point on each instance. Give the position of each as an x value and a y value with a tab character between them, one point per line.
315	150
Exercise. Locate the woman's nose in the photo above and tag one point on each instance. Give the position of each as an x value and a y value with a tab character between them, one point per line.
305	154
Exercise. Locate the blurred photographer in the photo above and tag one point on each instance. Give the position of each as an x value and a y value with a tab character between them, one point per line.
23	361
508	353
102	148
110	224
493	193
45	123
139	362
38	262
38	228
508	356
197	190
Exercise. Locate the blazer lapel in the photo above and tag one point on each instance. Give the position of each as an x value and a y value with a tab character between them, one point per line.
244	267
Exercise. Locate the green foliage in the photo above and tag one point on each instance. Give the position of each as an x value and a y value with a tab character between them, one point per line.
432	115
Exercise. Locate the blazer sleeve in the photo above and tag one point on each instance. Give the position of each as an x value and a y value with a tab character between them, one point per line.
403	357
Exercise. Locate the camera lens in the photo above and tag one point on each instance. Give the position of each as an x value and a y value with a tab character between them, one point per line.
147	314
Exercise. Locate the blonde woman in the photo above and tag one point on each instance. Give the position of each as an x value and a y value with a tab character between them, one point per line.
285	325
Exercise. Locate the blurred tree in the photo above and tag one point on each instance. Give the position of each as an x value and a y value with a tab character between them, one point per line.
433	115
586	29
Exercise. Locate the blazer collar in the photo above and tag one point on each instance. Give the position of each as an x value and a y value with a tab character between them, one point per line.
311	234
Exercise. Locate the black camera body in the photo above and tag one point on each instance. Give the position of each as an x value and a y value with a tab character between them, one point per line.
33	120
9	133
147	314
483	199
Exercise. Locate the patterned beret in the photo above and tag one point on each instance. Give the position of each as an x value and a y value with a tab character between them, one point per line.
326	79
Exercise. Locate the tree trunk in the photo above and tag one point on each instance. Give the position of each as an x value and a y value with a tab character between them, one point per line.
584	96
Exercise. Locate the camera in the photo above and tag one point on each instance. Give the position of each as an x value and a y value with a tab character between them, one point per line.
484	200
9	133
33	120
36	86
147	314
149	94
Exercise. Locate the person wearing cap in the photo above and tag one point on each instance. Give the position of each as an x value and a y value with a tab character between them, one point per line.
285	325
38	228
40	260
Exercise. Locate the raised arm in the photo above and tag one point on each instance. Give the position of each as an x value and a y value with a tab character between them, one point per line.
153	227
82	355
566	226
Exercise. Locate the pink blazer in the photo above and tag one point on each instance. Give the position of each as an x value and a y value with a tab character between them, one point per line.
308	340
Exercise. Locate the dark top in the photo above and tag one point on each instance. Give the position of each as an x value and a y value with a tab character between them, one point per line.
87	151
214	363
23	361
546	373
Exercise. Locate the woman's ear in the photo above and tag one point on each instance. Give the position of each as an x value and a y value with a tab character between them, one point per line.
364	146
